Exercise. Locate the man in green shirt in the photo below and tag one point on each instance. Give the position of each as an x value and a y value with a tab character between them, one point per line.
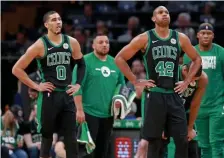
210	119
95	95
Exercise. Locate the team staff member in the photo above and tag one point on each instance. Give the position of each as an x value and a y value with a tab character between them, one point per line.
96	92
210	119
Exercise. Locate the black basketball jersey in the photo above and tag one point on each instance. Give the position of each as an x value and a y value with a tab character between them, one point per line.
55	65
162	58
189	93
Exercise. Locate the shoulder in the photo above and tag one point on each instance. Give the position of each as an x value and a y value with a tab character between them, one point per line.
37	47
71	39
88	58
217	46
110	58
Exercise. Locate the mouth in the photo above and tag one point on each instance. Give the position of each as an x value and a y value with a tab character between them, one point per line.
165	19
58	27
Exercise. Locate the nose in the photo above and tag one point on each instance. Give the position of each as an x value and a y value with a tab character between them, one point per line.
205	35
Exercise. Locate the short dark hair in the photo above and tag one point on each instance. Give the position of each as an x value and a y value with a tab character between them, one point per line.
46	15
100	34
198	74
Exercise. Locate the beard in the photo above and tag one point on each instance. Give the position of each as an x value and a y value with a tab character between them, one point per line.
101	53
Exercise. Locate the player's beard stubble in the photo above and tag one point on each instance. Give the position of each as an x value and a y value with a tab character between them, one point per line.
102	52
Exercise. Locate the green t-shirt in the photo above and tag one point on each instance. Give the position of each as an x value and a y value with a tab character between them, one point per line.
98	85
213	66
8	138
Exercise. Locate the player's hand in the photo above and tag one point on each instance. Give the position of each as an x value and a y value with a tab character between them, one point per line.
46	86
73	89
181	86
80	116
191	134
145	83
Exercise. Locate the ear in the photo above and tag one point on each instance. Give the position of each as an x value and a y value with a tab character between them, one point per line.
213	36
46	25
198	35
153	19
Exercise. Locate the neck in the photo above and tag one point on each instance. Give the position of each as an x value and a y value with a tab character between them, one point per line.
205	48
101	57
163	32
54	37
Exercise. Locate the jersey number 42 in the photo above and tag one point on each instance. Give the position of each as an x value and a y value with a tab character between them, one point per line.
165	68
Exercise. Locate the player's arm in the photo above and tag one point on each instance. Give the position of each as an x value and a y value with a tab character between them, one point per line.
196	101
78	57
80	116
34	51
192	54
138	43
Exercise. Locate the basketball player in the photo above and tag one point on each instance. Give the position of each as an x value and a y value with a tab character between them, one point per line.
54	53
210	119
162	47
192	98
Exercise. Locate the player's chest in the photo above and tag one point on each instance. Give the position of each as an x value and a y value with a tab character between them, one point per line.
103	71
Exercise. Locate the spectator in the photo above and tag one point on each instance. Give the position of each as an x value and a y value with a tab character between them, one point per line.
68	27
88	14
133	25
11	133
207	16
101	28
137	68
32	138
184	25
21	43
79	34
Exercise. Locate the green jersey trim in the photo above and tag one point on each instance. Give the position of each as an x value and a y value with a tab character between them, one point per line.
63	39
178	41
45	48
160	90
163	39
41	70
144	56
69	43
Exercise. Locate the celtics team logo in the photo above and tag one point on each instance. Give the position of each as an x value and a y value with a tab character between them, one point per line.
105	71
65	45
173	41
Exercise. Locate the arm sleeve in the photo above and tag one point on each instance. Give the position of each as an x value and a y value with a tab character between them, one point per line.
80	70
74	80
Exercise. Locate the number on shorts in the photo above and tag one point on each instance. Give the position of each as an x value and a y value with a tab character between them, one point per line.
61	72
165	69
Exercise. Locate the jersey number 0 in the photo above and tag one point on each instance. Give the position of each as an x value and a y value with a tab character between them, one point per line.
61	72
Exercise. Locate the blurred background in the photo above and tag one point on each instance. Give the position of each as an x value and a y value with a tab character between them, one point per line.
21	25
